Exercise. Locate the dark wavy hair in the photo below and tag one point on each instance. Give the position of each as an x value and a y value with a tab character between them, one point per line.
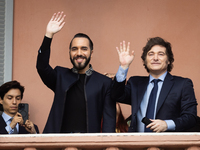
158	41
82	35
4	88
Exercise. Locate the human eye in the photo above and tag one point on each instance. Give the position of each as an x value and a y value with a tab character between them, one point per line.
150	54
161	54
9	97
73	48
18	97
84	48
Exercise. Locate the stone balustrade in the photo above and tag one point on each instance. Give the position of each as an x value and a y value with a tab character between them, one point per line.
102	141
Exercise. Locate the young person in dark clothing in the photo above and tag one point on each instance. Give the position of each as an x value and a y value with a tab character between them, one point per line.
82	95
11	121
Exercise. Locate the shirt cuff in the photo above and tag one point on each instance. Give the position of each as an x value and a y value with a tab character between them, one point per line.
121	74
9	129
170	125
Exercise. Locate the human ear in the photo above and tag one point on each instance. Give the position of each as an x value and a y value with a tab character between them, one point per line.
91	52
1	101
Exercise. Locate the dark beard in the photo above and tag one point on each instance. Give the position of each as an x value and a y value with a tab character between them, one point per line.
79	66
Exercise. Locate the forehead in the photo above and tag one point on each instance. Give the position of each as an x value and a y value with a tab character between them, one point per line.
79	42
14	92
158	48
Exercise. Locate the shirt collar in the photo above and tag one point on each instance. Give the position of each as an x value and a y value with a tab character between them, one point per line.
6	117
162	77
88	72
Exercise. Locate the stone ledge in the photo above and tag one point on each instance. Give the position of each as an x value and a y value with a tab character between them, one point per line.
102	140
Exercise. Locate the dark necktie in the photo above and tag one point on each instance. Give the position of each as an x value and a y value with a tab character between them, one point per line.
152	102
15	130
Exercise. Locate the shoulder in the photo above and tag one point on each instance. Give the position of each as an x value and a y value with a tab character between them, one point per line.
181	79
1	118
100	77
97	74
62	70
138	78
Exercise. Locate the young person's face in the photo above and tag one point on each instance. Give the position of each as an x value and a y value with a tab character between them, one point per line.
11	101
80	54
157	60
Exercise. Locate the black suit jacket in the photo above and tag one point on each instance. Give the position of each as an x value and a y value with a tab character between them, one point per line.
22	130
176	100
97	93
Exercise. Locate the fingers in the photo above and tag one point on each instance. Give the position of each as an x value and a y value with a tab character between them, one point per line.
54	15
128	47
21	121
18	114
59	17
28	124
63	17
118	51
62	24
30	127
122	47
157	126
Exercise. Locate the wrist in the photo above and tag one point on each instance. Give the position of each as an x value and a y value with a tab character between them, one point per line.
49	35
12	125
124	66
33	131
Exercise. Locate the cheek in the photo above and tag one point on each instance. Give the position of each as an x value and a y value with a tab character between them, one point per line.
19	101
147	62
166	62
71	53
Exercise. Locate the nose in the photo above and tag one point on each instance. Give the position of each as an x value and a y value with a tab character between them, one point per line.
14	101
156	57
79	52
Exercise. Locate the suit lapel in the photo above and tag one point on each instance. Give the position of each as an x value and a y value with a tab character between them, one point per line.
166	88
2	124
142	87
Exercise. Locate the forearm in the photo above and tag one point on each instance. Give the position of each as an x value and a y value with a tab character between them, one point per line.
46	44
118	84
46	72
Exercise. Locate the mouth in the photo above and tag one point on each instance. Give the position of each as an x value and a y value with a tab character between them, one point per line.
13	108
155	63
79	59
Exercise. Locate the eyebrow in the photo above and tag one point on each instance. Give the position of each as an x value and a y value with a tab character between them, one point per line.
81	47
154	52
14	96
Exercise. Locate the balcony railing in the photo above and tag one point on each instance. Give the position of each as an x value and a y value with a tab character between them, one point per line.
102	141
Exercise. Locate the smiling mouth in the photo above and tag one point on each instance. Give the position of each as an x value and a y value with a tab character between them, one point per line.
155	63
79	60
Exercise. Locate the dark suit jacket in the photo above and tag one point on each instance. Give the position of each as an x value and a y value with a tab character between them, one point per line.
97	93
176	100
22	130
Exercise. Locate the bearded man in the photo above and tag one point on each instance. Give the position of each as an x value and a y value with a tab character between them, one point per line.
82	101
